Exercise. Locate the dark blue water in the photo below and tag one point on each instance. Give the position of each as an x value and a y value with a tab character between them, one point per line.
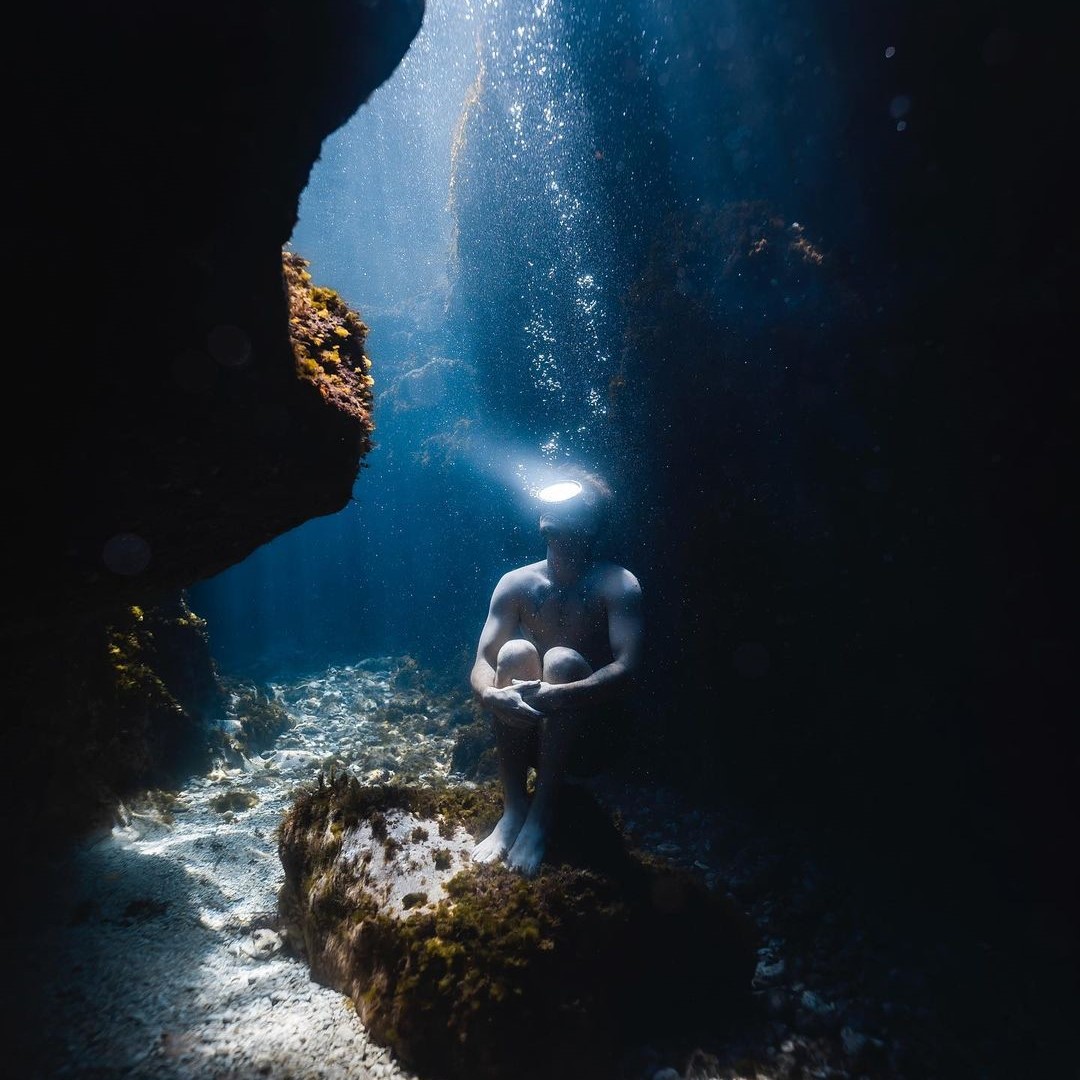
442	505
766	267
493	214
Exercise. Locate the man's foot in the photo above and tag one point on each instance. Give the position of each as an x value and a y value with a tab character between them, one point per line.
498	843
528	852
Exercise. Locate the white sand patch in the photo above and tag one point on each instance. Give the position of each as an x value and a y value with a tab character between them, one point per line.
151	952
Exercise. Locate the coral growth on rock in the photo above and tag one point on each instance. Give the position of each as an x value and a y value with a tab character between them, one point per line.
470	970
328	338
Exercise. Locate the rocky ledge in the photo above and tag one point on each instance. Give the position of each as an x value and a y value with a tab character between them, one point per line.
470	970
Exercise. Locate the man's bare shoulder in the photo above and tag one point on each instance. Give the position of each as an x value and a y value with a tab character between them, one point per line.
618	582
516	581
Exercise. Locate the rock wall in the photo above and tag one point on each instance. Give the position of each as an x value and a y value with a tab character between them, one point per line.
836	405
164	157
162	422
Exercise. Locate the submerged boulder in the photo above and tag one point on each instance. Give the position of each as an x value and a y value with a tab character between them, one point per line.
470	970
474	756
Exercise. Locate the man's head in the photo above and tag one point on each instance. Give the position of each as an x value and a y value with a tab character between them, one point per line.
580	514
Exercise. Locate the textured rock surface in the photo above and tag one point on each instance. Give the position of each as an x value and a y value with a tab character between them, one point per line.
470	970
166	154
165	425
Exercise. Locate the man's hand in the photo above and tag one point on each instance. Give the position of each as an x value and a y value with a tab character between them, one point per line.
508	703
542	696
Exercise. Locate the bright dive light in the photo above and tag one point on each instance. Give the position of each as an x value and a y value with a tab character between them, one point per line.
560	492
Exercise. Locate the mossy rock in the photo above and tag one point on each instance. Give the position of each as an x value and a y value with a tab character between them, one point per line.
474	755
233	801
469	970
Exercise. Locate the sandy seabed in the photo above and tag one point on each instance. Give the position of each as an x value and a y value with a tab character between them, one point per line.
151	951
155	955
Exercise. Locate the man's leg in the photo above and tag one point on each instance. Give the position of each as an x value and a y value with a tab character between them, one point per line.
557	733
518	659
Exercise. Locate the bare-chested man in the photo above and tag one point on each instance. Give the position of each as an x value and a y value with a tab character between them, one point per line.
562	638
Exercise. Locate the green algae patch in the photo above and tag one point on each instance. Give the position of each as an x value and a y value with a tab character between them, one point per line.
261	719
481	972
233	801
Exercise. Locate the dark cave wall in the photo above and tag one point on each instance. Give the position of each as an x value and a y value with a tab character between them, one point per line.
164	153
105	709
159	424
843	448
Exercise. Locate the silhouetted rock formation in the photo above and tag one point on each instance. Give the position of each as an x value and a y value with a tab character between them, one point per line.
167	152
182	407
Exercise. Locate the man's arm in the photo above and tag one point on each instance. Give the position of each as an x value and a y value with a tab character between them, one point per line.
502	623
626	635
499	628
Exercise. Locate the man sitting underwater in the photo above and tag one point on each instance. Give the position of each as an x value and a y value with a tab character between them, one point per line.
562	639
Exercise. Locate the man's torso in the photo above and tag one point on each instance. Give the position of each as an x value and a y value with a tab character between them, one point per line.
574	615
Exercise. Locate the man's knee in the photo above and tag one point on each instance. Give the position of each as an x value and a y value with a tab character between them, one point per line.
517	659
562	665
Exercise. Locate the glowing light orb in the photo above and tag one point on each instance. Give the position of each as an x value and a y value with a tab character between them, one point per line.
560	492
